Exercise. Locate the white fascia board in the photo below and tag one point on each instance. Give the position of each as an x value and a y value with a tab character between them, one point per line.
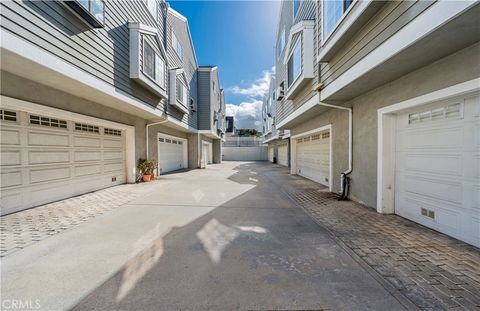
30	52
312	102
433	18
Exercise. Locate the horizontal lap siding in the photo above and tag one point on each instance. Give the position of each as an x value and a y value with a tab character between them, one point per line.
204	91
103	53
306	11
188	63
389	20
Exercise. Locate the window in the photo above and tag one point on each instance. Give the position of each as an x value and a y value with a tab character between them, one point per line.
177	46
92	11
46	121
446	112
152	8
281	42
112	132
160	71
182	92
8	115
148	60
333	11
87	128
296	5
294	66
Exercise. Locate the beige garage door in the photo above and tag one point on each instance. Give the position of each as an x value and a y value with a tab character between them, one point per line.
270	154
44	158
437	167
313	157
283	154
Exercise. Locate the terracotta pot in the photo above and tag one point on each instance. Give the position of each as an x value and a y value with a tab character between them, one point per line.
147	178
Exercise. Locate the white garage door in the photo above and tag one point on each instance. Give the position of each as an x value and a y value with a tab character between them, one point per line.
313	157
207	152
172	153
438	166
45	158
270	153
283	154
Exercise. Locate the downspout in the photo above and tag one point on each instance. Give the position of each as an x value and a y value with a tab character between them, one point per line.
344	180
146	133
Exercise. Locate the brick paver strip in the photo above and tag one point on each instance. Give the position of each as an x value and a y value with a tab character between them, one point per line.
22	229
434	271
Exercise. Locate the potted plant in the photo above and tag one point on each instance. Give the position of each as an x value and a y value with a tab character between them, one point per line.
147	168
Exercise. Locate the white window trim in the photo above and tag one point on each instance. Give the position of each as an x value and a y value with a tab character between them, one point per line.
173	101
386	137
337	25
297	42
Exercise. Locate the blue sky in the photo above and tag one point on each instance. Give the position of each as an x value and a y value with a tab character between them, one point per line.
238	37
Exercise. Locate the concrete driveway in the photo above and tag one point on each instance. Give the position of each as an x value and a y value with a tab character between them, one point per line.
221	238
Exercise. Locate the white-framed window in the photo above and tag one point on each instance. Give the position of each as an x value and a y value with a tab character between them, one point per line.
294	64
177	46
152	8
160	71
333	11
148	60
153	65
281	42
181	92
296	6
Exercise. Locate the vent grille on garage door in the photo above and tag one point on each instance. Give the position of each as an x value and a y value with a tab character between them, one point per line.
87	128
46	121
8	115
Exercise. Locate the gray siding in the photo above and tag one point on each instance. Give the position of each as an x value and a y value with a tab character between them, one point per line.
52	27
204	90
215	103
188	63
390	19
306	11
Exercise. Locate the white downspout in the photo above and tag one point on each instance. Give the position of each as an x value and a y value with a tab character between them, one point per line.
350	139
146	133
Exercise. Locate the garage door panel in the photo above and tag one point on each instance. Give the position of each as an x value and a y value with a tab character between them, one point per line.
113	167
48	157
313	157
112	155
11	179
432	188
10	137
171	155
79	141
49	174
87	170
83	156
112	143
47	139
433	163
451	137
10	157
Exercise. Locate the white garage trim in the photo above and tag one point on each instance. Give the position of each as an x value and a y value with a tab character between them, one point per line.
16	104
386	138
184	144
293	151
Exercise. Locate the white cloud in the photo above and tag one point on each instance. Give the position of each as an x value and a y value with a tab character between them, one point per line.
257	89
246	114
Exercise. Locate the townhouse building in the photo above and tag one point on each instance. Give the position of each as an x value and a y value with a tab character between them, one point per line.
90	87
382	101
277	140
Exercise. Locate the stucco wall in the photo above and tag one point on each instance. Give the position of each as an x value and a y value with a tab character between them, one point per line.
456	68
